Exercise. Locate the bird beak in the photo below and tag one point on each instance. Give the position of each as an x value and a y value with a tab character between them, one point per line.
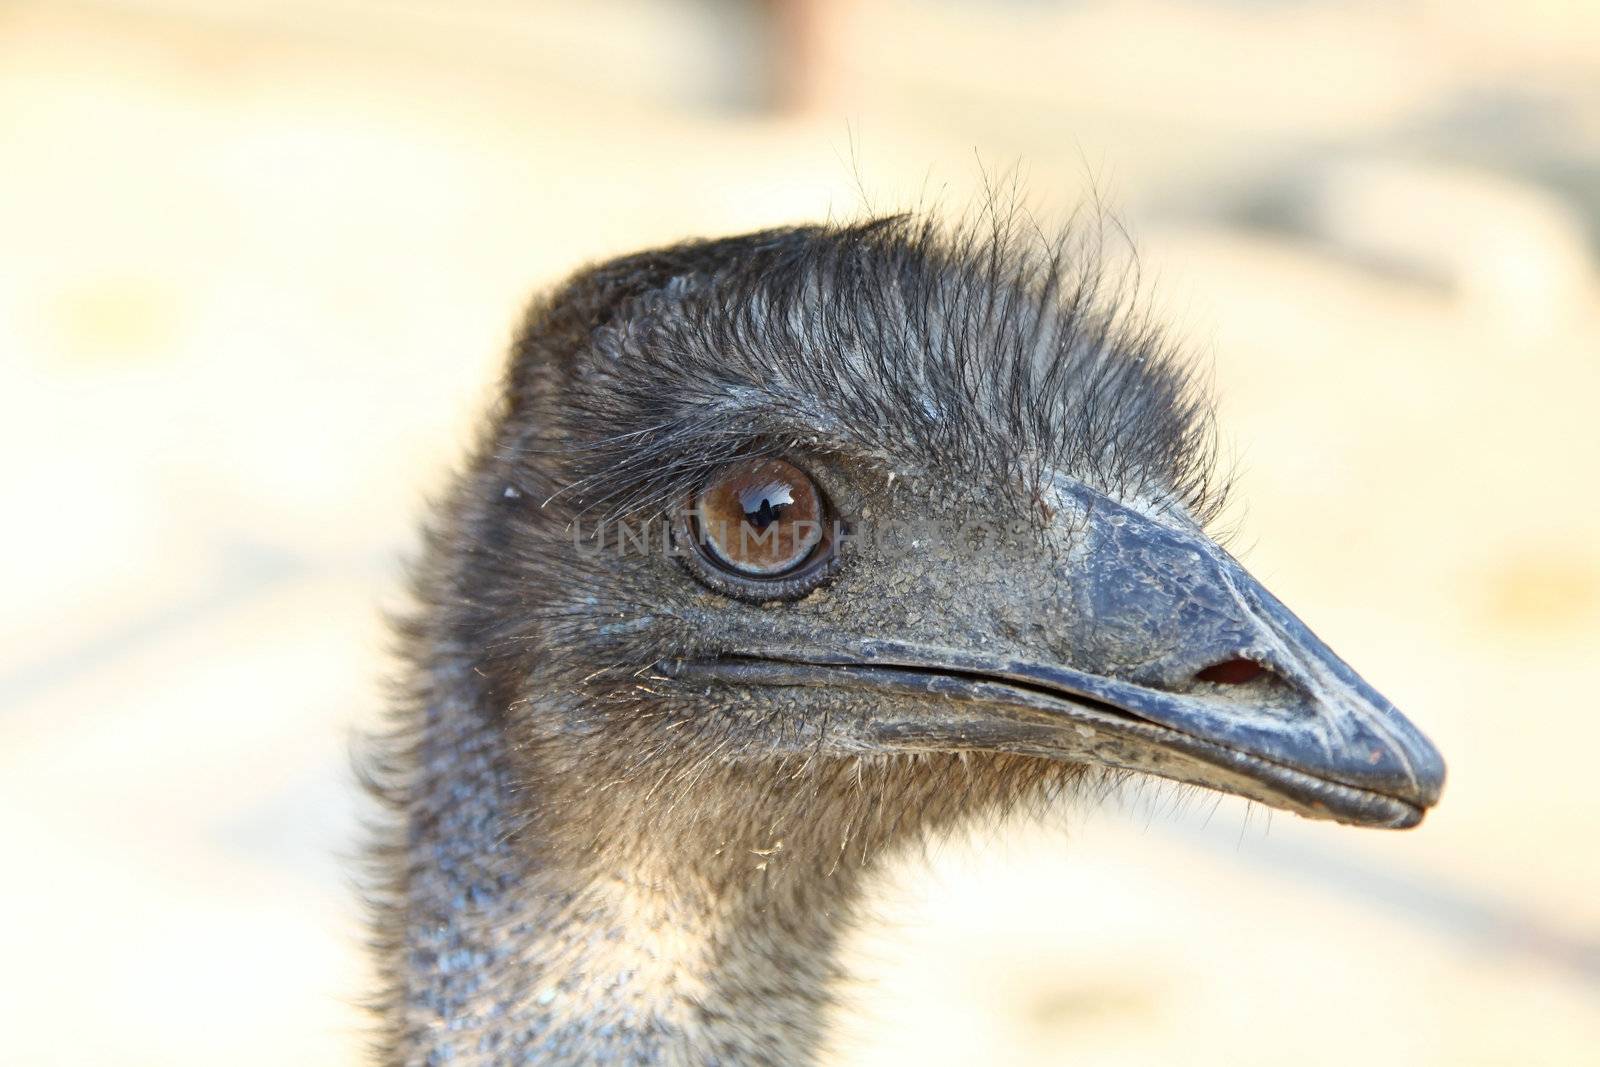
1182	665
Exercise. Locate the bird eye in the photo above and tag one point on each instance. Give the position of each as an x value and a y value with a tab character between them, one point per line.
761	519
760	529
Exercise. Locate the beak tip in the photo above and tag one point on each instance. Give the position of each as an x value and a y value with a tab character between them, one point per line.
1427	768
1409	819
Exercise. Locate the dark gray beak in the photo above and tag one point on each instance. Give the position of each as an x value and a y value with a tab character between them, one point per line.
1182	665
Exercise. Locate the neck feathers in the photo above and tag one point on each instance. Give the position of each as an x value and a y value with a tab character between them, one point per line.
536	917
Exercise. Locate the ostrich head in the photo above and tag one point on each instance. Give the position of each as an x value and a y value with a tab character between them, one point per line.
781	550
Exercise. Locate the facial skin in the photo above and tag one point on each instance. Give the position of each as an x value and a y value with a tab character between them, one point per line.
1080	630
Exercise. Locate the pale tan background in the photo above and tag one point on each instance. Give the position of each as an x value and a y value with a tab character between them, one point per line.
258	261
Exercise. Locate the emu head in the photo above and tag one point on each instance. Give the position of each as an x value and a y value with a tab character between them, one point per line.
865	528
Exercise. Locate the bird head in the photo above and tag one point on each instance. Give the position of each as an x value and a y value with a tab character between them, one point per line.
879	502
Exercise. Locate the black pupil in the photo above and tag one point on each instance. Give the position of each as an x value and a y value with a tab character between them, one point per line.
772	500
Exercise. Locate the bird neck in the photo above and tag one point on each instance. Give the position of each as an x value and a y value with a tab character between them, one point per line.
542	918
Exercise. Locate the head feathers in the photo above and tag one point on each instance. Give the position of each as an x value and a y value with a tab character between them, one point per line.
991	354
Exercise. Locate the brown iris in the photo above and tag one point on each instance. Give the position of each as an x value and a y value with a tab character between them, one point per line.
760	518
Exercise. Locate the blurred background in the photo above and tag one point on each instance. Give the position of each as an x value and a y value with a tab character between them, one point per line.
259	260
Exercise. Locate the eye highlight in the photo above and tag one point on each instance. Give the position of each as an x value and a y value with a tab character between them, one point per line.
760	529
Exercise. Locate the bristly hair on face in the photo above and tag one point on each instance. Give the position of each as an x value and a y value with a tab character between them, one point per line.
986	350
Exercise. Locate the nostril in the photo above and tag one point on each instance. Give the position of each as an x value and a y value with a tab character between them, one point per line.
1236	671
